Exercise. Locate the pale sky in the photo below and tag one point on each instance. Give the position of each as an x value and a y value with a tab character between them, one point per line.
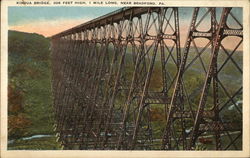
51	20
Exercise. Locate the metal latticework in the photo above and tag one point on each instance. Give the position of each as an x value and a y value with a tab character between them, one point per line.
122	81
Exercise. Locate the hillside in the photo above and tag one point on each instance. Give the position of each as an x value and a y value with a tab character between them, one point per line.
30	101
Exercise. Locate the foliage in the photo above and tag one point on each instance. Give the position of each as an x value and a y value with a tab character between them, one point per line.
17	119
17	125
29	96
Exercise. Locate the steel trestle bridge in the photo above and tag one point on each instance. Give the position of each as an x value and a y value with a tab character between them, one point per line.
124	82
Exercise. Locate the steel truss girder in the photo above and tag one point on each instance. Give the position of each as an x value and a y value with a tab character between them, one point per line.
102	76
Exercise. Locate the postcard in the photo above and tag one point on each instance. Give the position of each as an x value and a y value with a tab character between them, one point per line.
125	78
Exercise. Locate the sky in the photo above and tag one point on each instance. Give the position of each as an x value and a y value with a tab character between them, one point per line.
49	21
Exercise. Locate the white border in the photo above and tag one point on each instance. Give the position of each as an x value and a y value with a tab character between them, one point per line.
76	153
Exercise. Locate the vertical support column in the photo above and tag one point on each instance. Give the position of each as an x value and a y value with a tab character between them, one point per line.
217	40
145	88
117	79
215	80
166	140
133	86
